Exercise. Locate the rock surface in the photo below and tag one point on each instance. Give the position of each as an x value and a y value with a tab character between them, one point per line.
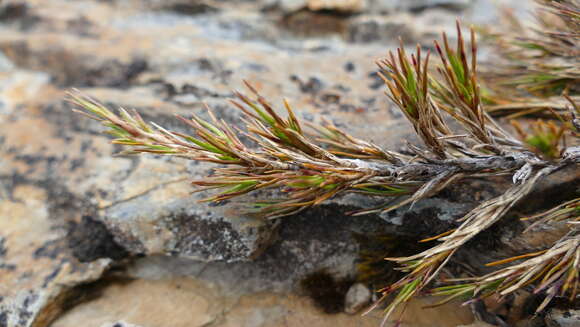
357	297
118	324
557	317
70	210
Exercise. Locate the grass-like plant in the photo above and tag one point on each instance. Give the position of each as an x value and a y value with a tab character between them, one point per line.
540	60
444	103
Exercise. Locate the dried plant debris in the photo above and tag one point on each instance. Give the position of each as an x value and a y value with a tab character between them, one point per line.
311	163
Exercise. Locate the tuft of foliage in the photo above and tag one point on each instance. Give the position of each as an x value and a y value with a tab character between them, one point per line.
537	63
450	114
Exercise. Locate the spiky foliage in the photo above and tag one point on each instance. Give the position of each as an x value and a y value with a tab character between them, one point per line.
287	158
542	61
555	271
460	140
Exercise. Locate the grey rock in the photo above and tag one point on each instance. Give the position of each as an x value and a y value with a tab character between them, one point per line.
357	297
119	324
477	324
563	318
368	29
5	63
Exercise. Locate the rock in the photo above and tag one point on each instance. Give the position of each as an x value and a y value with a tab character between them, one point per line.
424	4
345	6
176	303
562	317
368	29
169	299
357	297
477	324
118	324
287	6
39	274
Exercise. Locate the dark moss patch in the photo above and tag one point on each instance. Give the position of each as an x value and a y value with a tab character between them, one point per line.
327	291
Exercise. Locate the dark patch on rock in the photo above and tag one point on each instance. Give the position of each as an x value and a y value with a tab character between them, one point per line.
372	268
424	223
58	113
69	69
200	92
312	86
12	11
90	240
306	23
330	98
50	249
3	319
24	313
295	253
199	236
256	67
191	8
346	107
421	6
558	188
64	206
7	266
50	277
376	81
375	29
18	14
327	291
492	238
3	249
76	163
475	190
81	26
349	67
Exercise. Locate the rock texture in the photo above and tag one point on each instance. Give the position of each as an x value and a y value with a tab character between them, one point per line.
357	297
118	324
563	317
70	210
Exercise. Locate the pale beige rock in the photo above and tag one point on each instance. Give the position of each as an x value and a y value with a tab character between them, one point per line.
477	324
348	6
38	272
356	298
191	302
149	303
558	317
119	324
